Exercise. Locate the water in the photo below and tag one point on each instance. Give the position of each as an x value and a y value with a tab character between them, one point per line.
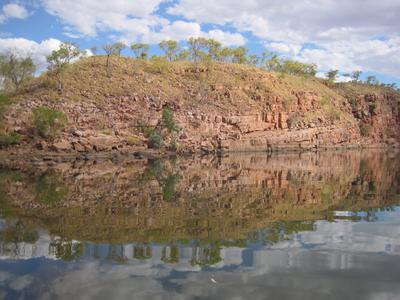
310	226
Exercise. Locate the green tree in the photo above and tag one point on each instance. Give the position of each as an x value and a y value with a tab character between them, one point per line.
293	67
332	75
239	55
197	48
225	54
110	50
184	55
356	76
254	60
171	49
59	60
16	70
372	80
270	61
140	50
119	47
214	49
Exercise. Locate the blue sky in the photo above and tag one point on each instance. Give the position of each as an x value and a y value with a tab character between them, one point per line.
339	34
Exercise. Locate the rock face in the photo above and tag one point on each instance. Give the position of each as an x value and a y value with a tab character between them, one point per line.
228	108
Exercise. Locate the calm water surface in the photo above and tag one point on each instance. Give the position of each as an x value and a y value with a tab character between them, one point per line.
311	226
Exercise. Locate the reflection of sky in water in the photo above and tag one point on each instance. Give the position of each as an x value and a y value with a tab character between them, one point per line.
338	259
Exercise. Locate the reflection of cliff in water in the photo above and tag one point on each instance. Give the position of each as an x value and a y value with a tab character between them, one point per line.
209	200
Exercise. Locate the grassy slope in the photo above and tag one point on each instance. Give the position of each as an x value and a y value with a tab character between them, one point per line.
219	88
182	81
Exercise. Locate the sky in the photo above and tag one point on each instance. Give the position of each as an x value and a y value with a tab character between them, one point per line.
347	35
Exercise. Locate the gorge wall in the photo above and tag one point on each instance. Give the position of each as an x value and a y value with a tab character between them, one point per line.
218	107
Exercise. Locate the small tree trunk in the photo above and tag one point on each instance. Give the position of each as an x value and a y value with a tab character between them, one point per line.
108	67
59	83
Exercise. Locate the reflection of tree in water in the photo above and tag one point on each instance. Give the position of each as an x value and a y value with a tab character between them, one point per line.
14	233
66	249
170	254
166	177
206	255
50	188
116	254
142	252
18	231
279	231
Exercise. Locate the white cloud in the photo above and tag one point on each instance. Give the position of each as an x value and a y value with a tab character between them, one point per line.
227	38
348	35
291	49
13	10
23	47
131	20
90	16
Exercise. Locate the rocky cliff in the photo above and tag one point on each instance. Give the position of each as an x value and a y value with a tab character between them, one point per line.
218	107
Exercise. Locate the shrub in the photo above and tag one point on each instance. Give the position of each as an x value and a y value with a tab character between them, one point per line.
156	140
4	102
144	128
293	67
325	101
168	120
174	145
10	139
159	65
48	122
353	103
365	129
390	132
331	112
372	107
133	140
294	120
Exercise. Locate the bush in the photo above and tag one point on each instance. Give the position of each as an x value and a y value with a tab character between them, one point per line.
372	107
156	140
4	102
293	67
48	122
133	140
144	128
365	129
174	146
168	120
159	64
294	120
10	139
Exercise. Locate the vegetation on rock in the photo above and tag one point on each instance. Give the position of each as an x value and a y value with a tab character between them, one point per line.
48	122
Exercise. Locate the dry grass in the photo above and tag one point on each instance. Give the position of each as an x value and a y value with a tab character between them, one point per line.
212	86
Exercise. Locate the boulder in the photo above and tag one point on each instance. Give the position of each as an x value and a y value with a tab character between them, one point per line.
102	142
61	146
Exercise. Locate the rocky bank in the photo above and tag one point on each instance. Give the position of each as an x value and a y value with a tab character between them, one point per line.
218	107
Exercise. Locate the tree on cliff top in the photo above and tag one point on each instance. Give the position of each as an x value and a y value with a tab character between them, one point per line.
140	50
111	49
170	48
16	70
59	60
356	76
332	75
293	67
